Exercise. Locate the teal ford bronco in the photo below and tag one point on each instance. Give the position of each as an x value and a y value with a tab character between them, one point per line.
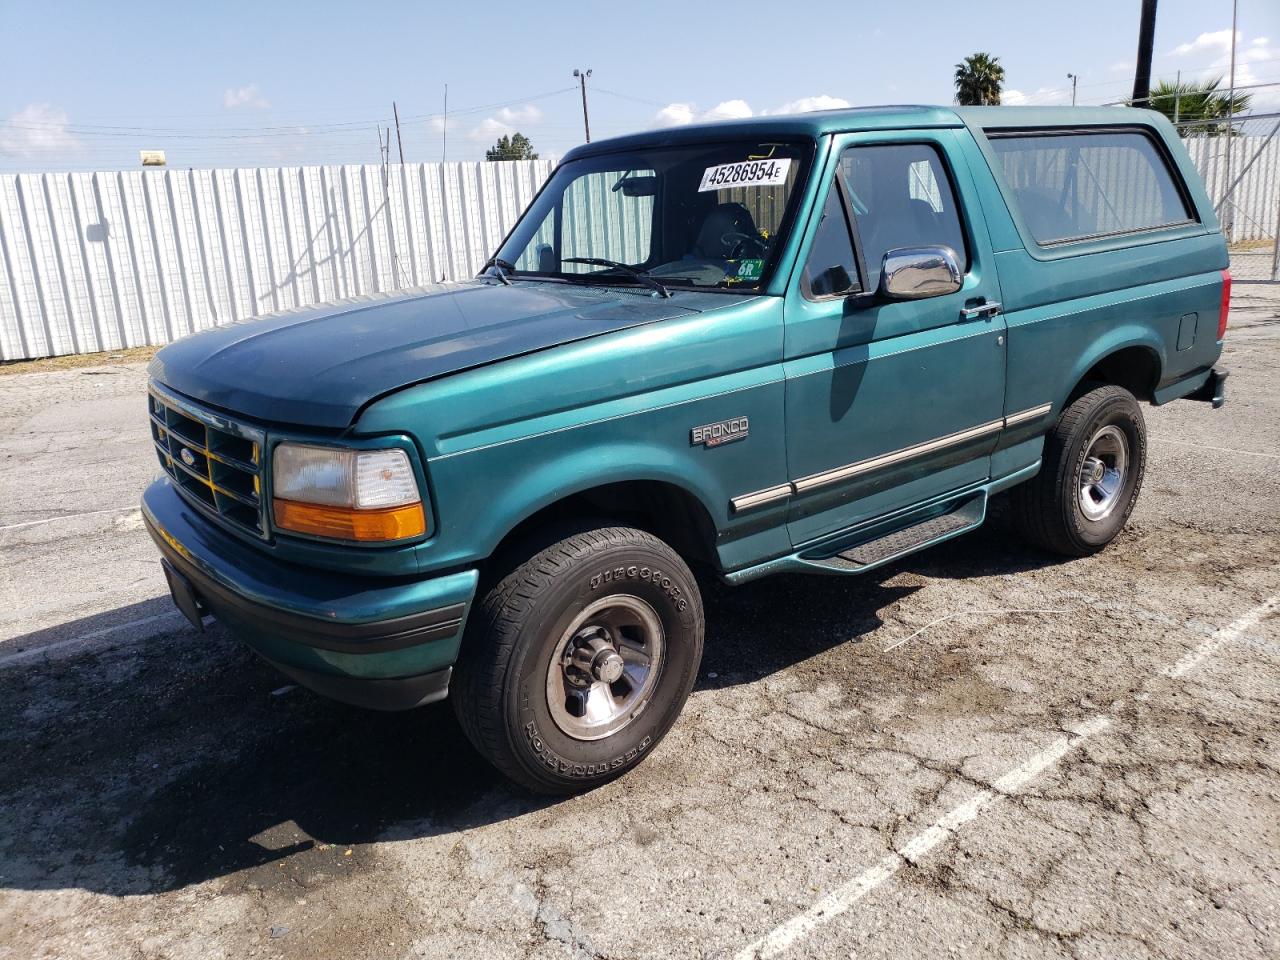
805	344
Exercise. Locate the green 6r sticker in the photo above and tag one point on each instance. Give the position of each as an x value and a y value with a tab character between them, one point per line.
750	269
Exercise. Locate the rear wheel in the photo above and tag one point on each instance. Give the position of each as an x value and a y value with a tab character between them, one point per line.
579	658
1094	460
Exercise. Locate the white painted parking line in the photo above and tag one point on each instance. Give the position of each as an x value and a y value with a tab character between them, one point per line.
124	513
845	896
1206	446
1221	637
962	613
38	653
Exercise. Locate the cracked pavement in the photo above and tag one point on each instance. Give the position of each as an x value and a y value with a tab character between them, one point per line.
167	795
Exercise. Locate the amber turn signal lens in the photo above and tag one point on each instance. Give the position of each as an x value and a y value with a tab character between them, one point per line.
344	523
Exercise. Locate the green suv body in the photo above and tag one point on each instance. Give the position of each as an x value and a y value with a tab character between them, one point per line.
813	343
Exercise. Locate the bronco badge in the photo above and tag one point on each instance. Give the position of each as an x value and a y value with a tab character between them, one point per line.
715	434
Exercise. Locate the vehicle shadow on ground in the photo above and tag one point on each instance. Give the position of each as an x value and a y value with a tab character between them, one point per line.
139	767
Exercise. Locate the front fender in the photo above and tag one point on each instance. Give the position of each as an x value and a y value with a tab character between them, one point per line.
582	470
485	492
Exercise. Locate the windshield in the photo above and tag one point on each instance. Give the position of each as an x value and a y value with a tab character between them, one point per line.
697	216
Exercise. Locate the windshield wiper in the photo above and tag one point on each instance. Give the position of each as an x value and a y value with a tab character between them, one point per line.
641	275
500	269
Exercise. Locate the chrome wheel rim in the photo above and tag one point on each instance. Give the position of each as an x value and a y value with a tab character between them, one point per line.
1102	473
605	667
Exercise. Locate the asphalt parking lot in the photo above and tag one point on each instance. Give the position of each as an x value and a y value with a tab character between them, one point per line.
979	751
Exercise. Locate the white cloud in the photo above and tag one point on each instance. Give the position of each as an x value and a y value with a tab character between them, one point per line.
729	110
526	114
679	113
1216	41
1040	97
1121	66
1248	53
490	128
675	115
246	96
502	124
809	104
37	130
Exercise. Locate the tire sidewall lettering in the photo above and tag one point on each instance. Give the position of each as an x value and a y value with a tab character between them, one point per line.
552	761
642	573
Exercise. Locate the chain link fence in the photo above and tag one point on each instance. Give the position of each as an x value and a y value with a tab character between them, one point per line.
1239	159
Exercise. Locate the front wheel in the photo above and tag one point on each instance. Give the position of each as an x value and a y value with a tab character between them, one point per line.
1094	459
578	660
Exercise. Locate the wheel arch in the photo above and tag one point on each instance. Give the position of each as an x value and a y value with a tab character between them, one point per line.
663	506
1134	362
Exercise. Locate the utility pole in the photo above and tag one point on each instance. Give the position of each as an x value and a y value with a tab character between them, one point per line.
1228	212
1146	40
399	142
582	79
1177	98
444	130
1073	78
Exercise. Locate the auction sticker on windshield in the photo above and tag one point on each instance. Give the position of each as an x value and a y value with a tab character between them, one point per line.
748	173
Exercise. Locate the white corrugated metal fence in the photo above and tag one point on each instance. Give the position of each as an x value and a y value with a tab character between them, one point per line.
104	261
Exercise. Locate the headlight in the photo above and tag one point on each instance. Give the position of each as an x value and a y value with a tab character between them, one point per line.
364	495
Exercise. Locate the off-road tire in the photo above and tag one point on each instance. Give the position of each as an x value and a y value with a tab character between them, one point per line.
499	687
1046	510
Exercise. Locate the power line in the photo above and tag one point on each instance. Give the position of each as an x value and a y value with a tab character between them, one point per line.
272	130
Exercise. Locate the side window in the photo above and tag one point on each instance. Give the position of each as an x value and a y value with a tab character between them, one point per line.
1079	185
831	269
901	197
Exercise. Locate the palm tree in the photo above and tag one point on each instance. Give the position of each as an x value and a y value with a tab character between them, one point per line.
1201	101
978	81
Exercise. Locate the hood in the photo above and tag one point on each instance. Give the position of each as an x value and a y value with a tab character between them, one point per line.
318	366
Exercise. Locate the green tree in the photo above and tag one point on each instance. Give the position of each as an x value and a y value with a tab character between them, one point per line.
1202	102
514	147
978	80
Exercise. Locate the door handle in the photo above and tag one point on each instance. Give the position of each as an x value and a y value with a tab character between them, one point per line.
988	308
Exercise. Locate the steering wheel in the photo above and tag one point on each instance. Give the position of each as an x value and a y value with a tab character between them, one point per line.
740	240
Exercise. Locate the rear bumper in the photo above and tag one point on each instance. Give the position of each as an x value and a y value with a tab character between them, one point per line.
376	642
1209	386
1213	390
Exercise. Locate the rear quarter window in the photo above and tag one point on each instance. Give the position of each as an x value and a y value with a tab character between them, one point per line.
1080	185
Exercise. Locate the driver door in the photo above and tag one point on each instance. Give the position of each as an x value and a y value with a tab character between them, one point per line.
889	403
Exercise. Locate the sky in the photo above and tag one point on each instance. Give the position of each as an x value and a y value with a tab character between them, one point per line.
85	86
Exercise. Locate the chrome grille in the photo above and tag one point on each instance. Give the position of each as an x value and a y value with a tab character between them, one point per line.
215	462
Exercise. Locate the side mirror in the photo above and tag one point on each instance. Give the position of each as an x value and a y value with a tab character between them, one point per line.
913	273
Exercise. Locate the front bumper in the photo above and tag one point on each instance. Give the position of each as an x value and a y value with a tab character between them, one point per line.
385	643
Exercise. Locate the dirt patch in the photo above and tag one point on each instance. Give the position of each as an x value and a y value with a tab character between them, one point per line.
48	364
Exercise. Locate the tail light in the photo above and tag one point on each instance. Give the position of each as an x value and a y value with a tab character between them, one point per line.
1226	304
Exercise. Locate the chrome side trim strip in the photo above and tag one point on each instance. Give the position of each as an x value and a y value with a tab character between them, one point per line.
898	456
758	499
1022	416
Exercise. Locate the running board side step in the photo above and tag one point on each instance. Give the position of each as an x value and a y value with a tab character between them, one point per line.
878	546
880	542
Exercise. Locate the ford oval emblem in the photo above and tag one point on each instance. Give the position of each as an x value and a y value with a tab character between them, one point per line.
188	457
